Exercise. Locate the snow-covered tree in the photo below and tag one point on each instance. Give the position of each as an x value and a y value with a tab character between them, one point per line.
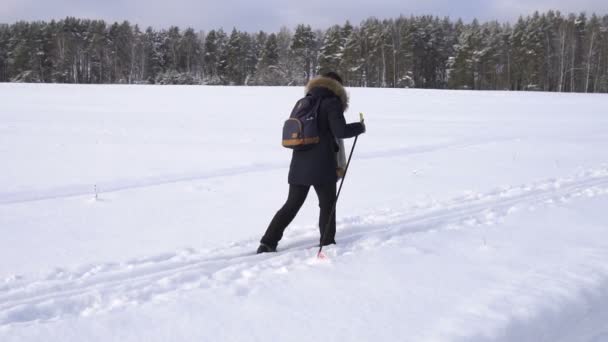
545	51
352	64
268	69
302	53
231	66
213	49
330	54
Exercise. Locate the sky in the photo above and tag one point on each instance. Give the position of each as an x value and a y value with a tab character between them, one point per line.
271	15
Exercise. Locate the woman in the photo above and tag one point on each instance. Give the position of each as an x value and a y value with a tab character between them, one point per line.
317	166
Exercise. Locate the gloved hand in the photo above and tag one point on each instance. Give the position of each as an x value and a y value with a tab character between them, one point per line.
361	127
362	121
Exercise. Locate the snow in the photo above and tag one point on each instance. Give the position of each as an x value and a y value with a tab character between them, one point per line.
466	216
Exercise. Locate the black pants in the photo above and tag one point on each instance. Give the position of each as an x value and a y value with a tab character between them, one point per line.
295	199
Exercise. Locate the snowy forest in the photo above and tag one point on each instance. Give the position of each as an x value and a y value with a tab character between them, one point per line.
545	51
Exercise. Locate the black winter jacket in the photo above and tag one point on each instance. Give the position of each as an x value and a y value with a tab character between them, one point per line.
317	166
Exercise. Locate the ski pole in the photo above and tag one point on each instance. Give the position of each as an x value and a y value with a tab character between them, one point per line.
333	209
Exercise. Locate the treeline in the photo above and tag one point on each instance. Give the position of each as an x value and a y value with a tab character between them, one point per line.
549	52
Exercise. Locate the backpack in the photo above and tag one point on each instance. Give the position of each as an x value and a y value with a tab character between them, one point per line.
301	130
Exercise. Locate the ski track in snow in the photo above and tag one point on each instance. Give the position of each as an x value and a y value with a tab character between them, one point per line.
127	184
101	288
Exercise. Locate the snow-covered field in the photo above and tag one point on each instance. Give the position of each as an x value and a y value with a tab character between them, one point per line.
466	216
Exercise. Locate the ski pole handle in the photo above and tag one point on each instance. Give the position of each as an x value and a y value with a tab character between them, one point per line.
362	121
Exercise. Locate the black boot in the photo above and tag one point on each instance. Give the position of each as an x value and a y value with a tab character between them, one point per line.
264	248
332	242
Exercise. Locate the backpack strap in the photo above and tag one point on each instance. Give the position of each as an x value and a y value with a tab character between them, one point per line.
317	107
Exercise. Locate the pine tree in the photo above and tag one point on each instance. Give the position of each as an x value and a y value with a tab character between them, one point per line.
352	61
372	35
578	53
212	57
96	50
285	65
405	53
302	51
249	56
488	56
190	53
155	60
345	32
138	56
534	52
461	65
268	70
20	52
4	39
601	83
231	69
590	45
550	28
270	55
331	51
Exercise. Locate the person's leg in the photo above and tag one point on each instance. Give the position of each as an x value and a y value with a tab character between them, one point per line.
327	198
283	217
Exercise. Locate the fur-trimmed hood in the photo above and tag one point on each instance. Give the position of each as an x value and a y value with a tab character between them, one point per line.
331	84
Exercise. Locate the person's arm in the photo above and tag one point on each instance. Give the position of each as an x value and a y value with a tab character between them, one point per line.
337	123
